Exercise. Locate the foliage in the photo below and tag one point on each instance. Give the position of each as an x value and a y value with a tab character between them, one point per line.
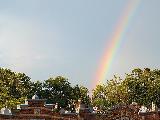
36	88
58	90
13	88
143	86
109	94
81	92
140	86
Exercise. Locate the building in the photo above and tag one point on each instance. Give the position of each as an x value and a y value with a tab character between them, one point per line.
33	109
37	109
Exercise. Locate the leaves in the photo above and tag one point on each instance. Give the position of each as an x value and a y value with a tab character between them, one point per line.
14	87
141	86
58	91
110	94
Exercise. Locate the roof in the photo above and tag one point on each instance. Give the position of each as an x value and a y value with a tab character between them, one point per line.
35	97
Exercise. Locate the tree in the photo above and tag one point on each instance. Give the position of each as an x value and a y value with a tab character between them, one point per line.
37	88
81	92
140	86
143	86
14	87
58	90
112	93
84	95
99	97
116	91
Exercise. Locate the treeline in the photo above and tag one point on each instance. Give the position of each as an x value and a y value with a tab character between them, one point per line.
140	85
16	87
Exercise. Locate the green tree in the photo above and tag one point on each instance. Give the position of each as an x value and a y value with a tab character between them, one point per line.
140	86
81	92
143	86
99	97
14	87
76	93
37	88
84	95
58	90
116	91
112	93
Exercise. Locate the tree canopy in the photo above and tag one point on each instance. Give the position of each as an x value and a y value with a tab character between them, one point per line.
140	85
13	88
16	87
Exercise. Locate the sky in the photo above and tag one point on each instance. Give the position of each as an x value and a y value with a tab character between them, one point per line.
48	38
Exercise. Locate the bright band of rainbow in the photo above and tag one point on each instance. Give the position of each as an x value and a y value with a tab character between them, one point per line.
115	42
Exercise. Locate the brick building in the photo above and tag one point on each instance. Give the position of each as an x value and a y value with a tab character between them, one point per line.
37	109
33	109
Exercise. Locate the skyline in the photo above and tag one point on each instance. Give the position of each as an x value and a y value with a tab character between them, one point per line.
68	38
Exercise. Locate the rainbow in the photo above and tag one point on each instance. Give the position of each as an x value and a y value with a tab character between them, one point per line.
115	42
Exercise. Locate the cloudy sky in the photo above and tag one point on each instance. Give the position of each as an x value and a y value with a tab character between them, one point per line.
45	38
